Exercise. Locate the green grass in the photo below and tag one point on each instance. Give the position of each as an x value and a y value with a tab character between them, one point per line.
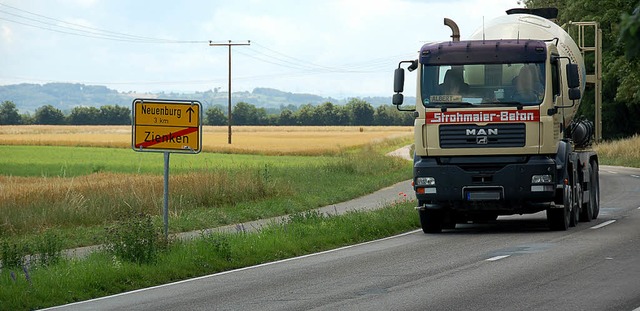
202	194
51	161
100	274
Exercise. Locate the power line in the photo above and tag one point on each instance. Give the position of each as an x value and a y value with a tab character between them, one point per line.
79	30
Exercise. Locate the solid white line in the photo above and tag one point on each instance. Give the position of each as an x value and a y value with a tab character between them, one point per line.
236	270
606	223
497	258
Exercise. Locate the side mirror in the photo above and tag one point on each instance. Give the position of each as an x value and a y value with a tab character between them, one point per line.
573	80
574	93
397	99
398	80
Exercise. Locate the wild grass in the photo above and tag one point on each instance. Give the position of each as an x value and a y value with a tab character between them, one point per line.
103	274
623	152
268	140
201	196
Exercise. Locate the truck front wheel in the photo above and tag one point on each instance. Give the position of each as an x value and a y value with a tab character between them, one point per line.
559	218
431	220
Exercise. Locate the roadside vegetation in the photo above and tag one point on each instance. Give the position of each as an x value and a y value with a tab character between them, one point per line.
623	152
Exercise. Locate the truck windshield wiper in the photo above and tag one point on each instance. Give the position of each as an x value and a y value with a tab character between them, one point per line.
505	104
452	104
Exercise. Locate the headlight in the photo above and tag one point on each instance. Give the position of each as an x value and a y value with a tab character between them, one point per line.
425	181
541	179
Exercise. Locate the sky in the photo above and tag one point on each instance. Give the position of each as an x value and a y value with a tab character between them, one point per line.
332	48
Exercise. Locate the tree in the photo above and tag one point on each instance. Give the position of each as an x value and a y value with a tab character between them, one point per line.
360	111
9	114
621	76
216	116
630	32
244	114
84	116
49	115
306	115
287	118
115	115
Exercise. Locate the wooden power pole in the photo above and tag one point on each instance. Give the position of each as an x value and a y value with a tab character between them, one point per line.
229	44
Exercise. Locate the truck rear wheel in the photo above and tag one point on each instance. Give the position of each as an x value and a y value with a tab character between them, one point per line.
586	214
576	206
431	220
595	193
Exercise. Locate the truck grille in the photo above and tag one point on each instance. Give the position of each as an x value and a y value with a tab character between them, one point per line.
489	136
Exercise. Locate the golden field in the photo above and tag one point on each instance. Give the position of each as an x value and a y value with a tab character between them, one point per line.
245	139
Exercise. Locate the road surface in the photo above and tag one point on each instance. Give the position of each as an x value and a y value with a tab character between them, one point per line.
515	263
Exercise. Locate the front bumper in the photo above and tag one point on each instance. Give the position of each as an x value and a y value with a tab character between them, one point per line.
504	180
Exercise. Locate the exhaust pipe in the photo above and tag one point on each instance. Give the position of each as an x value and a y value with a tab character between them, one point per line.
455	31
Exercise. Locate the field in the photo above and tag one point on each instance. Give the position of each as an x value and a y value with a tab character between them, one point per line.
273	140
63	179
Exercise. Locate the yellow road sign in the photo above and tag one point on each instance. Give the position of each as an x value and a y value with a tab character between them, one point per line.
166	125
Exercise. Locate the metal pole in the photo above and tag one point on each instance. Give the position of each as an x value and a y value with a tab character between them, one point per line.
229	44
166	195
229	120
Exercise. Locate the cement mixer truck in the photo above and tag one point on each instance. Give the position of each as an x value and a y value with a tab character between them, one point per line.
496	131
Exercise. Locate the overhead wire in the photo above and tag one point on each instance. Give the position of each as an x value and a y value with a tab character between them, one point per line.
257	51
80	30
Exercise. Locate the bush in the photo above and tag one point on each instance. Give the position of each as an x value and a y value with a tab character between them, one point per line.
133	238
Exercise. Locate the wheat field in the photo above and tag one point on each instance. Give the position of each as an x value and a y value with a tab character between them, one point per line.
302	140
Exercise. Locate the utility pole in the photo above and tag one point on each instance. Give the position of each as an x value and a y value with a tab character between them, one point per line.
229	44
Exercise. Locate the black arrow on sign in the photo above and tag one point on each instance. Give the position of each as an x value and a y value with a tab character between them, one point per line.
190	111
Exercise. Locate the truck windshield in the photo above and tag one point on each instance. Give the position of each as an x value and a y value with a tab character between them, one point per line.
518	84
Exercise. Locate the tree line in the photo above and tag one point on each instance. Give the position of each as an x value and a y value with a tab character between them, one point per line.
355	112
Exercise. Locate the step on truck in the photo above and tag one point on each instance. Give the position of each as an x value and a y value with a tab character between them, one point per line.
496	131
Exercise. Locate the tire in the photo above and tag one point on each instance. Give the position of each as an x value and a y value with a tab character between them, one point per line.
595	194
586	213
576	206
431	220
558	218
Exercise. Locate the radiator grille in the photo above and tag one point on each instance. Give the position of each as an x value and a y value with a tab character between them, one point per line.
489	136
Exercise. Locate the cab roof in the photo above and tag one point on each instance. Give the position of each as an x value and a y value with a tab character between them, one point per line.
483	52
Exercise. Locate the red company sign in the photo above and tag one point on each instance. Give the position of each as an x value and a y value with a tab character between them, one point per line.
487	116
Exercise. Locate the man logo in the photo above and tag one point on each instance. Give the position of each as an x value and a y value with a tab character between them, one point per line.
482	140
481	132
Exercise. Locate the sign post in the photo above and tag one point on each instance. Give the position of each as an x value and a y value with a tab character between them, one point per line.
166	126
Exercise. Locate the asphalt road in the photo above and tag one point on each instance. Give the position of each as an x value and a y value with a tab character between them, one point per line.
515	263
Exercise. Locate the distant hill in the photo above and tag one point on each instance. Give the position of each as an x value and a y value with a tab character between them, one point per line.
66	96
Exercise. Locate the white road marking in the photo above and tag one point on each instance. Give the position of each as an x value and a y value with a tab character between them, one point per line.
606	223
635	176
497	258
612	172
233	271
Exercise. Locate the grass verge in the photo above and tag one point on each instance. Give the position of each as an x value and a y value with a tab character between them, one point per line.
104	274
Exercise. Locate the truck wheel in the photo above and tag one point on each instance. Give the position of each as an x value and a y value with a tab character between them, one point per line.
576	206
431	220
595	189
586	213
558	218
